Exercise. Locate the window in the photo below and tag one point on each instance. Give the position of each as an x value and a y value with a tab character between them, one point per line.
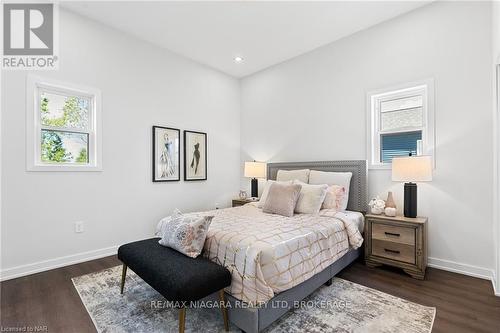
63	127
400	122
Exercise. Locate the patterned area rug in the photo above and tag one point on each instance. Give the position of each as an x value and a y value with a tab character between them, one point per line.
342	307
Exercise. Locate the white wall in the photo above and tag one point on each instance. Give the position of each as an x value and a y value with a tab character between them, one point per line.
141	86
496	146
313	108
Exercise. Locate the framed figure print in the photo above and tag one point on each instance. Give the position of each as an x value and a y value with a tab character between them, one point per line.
195	155
166	154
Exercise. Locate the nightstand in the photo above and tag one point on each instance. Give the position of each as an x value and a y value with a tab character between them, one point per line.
241	202
397	241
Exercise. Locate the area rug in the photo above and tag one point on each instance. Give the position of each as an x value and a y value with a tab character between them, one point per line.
342	307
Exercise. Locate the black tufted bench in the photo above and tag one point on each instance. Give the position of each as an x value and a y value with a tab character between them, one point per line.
177	277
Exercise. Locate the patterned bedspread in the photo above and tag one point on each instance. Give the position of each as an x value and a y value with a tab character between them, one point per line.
268	253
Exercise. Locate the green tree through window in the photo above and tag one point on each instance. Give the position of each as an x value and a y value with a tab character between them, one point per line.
52	148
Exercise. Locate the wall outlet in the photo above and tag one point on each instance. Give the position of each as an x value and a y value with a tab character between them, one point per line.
79	226
216	205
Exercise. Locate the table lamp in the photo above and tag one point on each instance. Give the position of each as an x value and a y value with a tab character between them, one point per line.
255	170
411	169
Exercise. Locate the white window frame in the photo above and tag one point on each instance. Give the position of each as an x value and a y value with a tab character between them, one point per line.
373	100
34	125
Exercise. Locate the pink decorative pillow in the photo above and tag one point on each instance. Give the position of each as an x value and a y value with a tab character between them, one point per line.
282	199
335	198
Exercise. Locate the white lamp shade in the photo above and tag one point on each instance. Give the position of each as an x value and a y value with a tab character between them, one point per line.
255	169
412	169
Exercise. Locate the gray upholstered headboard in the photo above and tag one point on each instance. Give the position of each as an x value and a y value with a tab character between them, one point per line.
358	189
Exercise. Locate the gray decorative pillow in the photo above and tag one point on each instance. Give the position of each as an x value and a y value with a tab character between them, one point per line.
185	234
282	199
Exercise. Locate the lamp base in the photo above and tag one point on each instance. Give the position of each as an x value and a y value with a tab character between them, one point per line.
255	187
410	201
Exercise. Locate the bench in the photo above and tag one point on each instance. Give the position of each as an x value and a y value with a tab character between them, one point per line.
176	277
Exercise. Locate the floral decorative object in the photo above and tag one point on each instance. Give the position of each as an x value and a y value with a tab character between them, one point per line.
377	206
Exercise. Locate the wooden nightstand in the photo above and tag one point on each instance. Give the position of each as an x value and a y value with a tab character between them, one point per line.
241	202
397	241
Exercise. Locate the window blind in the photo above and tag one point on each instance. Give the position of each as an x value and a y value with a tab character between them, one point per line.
398	144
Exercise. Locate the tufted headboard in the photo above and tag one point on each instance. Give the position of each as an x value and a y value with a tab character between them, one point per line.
358	189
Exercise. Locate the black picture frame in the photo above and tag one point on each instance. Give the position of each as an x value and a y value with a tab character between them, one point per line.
154	161
188	154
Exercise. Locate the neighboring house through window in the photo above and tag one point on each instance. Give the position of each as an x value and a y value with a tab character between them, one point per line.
400	122
64	126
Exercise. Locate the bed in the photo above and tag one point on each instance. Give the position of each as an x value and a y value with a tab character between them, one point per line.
280	260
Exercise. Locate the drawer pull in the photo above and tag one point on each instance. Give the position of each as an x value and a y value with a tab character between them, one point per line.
392	234
391	251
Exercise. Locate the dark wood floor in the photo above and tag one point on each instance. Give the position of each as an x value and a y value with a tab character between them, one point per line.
464	304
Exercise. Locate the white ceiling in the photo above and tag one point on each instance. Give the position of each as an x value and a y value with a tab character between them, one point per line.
263	33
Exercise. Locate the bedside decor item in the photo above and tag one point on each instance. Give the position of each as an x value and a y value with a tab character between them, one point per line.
195	155
397	241
255	170
377	206
390	201
243	194
166	154
390	211
411	169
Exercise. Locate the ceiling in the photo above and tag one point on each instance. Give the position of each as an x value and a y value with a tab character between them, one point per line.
262	33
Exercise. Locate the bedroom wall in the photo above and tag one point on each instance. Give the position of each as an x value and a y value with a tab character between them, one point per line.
496	153
313	108
141	86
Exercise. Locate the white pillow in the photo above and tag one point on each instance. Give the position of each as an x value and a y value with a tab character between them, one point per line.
302	175
311	198
332	178
265	191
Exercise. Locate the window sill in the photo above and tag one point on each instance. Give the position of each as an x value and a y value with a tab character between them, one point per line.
64	168
386	166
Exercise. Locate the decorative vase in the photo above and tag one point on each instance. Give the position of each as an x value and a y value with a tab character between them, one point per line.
243	195
390	201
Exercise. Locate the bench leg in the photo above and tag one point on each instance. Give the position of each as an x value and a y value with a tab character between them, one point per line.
329	282
182	319
222	300
124	275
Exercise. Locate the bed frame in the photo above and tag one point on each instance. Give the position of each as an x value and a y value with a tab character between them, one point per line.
254	320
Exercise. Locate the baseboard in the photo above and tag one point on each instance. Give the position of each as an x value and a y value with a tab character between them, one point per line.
495	289
456	267
45	265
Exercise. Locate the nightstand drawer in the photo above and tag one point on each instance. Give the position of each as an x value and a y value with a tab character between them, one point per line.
395	251
393	233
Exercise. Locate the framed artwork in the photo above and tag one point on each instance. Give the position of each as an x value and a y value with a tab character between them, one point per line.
166	154
195	155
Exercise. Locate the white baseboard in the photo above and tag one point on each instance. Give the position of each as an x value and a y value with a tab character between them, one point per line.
495	289
465	269
45	265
